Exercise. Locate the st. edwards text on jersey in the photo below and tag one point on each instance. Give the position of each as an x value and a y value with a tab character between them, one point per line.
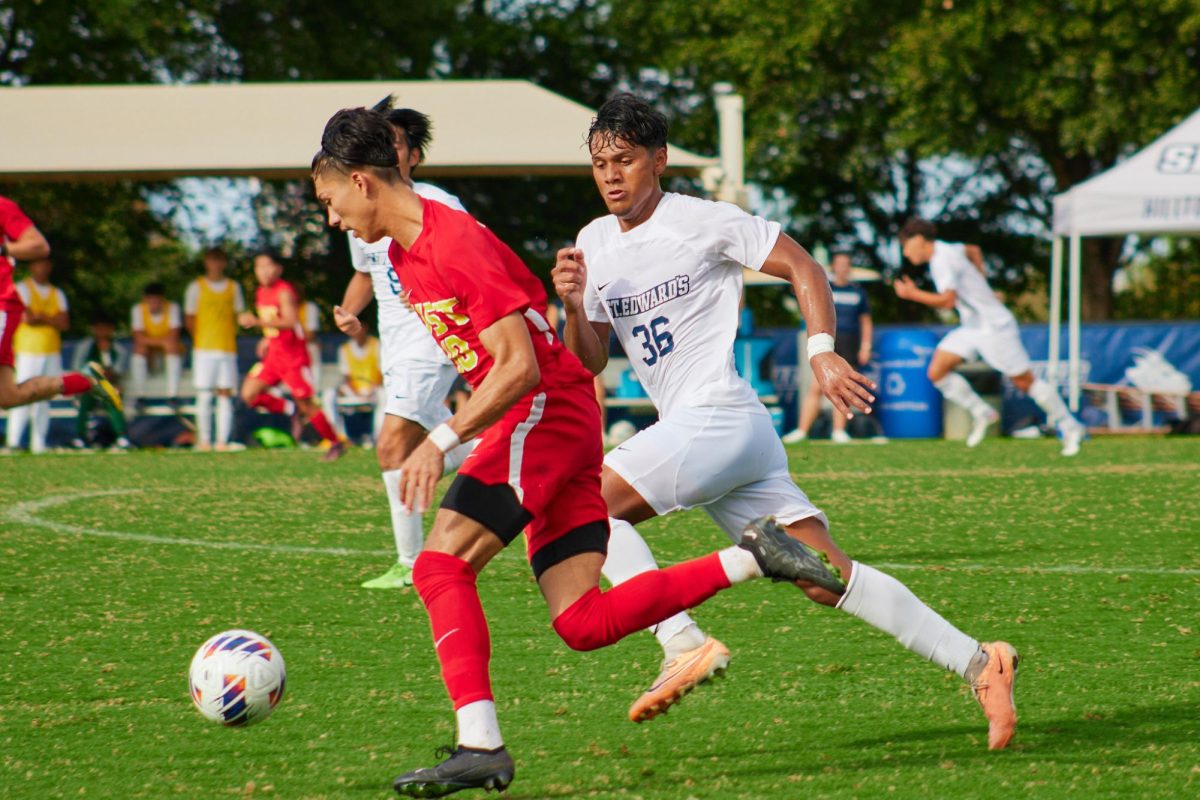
636	304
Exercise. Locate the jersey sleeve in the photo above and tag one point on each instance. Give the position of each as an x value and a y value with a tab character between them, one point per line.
13	221
479	277
23	292
344	359
742	238
942	268
864	305
239	298
174	319
62	300
358	256
191	298
135	318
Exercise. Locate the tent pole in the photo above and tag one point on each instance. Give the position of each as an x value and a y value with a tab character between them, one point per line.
1055	332
1075	292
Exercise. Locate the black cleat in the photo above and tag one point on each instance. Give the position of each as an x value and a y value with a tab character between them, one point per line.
465	768
782	558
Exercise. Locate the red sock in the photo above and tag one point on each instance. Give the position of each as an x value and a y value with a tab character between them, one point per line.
269	402
75	383
460	634
321	425
600	618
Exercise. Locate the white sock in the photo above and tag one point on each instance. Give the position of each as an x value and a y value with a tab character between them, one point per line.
458	455
174	371
406	527
204	420
478	726
739	564
224	418
39	427
881	600
137	375
18	418
628	557
1050	401
954	387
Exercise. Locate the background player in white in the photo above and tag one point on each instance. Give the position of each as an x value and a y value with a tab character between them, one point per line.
986	329
664	271
210	308
37	346
416	375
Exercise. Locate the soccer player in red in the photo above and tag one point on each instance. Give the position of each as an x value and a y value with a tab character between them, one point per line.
536	467
283	353
20	239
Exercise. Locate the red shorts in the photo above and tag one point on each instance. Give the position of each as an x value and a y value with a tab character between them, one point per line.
548	449
10	318
296	376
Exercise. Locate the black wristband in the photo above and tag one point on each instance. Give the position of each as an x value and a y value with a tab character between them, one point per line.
3	248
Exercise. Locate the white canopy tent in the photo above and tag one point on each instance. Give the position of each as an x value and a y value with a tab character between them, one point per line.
1156	191
272	130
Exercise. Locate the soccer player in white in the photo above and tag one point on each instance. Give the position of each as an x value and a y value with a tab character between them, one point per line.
663	271
416	374
986	329
210	308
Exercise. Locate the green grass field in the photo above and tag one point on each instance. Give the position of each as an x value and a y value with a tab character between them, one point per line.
116	567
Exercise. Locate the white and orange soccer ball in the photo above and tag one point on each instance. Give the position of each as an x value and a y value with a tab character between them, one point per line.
237	678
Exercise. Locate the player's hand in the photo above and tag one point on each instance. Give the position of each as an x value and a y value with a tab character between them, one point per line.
346	322
419	475
845	388
905	288
260	349
247	319
570	277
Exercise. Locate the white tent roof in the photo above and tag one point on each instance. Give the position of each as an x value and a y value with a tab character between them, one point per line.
1155	191
272	130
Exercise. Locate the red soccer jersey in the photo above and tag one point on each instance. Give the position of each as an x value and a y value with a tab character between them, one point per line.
13	223
461	279
283	344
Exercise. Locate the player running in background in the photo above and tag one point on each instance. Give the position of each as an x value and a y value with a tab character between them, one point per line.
37	347
156	325
283	356
986	329
416	373
852	341
211	304
664	271
537	465
20	239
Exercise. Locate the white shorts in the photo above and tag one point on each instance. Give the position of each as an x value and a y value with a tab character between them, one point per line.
1000	348
417	391
35	365
213	369
731	463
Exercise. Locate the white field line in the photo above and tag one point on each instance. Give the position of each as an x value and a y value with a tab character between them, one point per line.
26	513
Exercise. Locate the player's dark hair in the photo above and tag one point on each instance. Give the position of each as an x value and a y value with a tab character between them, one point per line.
216	252
358	138
916	226
629	119
418	130
154	289
267	252
837	253
101	318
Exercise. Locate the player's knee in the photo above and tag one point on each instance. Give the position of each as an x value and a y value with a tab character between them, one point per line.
249	395
434	573
580	626
1023	381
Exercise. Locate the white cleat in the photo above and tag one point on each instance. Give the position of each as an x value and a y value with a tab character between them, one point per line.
839	437
979	425
792	437
1072	438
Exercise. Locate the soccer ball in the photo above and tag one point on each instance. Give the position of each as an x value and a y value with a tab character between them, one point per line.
237	678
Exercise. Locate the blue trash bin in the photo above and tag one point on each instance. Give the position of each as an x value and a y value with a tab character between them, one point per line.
910	406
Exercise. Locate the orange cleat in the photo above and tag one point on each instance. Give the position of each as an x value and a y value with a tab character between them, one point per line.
993	689
678	677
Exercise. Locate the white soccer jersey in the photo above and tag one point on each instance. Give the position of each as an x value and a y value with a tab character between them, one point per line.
399	327
670	289
977	306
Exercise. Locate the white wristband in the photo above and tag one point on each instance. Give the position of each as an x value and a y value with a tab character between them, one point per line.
819	343
444	438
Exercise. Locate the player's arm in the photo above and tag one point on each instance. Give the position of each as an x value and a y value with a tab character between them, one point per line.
907	290
974	254
513	375
289	312
60	321
30	244
866	327
586	339
844	387
358	295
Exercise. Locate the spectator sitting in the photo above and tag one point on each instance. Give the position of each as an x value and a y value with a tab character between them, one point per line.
103	349
358	364
156	325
